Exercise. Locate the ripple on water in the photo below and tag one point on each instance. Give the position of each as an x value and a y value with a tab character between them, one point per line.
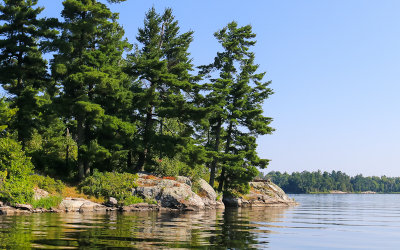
320	222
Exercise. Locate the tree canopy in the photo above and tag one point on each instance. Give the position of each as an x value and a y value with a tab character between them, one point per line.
98	105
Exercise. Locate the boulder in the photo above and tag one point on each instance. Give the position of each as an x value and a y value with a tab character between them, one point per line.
262	194
80	205
208	195
169	193
26	207
90	206
140	207
112	202
148	192
39	193
7	210
184	179
181	197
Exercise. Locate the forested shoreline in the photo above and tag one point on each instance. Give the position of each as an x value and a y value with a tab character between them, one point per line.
322	182
103	104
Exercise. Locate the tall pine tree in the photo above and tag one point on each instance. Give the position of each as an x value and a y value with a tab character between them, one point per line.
162	68
23	71
235	97
94	88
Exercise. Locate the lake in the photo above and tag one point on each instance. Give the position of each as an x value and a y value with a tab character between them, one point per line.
322	221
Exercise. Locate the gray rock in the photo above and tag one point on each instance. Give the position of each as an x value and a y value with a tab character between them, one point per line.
208	195
262	194
184	179
175	194
6	210
112	202
140	207
80	205
26	207
71	204
90	206
39	193
181	197
148	192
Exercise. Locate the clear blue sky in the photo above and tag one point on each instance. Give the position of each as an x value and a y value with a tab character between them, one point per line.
334	66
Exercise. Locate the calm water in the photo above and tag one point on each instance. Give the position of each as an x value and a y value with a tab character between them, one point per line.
320	222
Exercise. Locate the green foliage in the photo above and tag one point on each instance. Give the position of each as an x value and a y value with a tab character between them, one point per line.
161	66
23	71
98	110
151	201
47	202
6	114
129	200
96	97
109	184
235	94
47	183
323	182
15	170
175	167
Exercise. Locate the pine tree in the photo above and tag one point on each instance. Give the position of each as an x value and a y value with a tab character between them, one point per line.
162	68
23	71
94	89
235	97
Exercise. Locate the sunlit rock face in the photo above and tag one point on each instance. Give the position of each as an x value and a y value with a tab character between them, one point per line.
177	193
262	194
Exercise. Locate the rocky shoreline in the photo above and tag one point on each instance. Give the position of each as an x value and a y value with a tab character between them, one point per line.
168	193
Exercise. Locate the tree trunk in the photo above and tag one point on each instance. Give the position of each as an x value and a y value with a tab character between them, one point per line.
67	151
129	160
222	178
80	141
146	138
214	163
20	121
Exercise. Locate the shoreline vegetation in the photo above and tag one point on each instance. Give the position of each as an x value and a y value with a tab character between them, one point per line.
335	182
148	193
87	123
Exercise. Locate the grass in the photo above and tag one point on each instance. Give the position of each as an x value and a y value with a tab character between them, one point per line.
74	193
47	202
132	200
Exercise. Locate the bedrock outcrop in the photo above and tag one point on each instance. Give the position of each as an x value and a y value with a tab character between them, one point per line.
262	194
177	193
168	193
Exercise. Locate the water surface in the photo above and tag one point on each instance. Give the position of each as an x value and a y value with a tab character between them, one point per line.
331	221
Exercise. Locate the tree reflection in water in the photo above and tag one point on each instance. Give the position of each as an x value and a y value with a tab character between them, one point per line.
232	228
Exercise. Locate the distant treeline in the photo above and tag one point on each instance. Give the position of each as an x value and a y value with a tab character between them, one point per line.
310	182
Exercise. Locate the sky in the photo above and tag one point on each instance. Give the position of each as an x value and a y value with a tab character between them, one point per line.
334	67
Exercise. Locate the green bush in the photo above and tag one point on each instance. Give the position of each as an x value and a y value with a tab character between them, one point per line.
47	183
109	184
131	200
47	202
15	172
174	167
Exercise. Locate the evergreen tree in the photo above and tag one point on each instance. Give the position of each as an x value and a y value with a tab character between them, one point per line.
95	92
162	68
236	97
23	71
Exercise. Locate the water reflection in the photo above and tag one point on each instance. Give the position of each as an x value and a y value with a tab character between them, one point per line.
232	228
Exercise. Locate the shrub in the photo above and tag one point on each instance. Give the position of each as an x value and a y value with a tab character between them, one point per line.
47	202
47	183
109	184
15	170
174	167
131	200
